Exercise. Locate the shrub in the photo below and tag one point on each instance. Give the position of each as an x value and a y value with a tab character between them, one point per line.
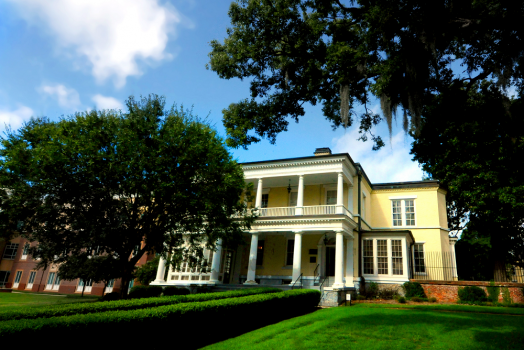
372	290
402	300
134	304
493	292
432	300
145	292
110	296
413	289
170	290
162	318
146	273
506	296
361	297
472	294
387	293
416	299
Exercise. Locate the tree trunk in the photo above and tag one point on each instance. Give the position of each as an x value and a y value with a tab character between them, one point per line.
41	278
498	257
124	287
83	288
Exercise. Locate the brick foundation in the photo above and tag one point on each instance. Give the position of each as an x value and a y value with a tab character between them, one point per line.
447	291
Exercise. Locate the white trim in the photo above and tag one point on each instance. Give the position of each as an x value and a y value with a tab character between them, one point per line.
404	197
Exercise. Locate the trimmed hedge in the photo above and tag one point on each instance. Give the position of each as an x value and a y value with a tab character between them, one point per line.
472	294
138	292
413	289
133	304
171	290
163	318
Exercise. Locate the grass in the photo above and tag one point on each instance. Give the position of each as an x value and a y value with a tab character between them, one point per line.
452	308
13	301
368	326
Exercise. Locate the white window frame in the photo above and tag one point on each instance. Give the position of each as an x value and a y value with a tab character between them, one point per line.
293	190
329	188
413	257
287	244
389	276
403	219
29	281
25	251
18	277
89	286
109	287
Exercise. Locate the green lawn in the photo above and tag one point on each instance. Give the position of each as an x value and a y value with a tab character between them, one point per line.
13	301
368	326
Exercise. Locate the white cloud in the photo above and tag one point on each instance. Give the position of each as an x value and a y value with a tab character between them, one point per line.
112	35
15	118
106	102
67	97
392	163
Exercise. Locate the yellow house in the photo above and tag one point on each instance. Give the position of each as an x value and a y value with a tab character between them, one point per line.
323	223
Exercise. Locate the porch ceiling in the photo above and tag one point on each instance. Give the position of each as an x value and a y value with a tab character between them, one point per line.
283	181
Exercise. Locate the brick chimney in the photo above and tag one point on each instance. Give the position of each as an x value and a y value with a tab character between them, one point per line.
322	151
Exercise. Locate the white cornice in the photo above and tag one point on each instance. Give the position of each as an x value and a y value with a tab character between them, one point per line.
283	164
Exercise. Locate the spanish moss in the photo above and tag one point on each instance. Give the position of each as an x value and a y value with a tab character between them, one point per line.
344	104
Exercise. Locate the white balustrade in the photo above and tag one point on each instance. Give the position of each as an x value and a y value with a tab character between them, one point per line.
282	211
310	210
320	210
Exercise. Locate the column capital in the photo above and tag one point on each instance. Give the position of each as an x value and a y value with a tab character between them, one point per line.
298	232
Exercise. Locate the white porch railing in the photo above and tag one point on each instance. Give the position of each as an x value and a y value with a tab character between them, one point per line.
320	210
282	211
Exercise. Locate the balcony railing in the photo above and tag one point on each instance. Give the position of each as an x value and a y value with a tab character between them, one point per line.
309	210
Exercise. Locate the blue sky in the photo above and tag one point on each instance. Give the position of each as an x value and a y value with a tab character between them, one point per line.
63	56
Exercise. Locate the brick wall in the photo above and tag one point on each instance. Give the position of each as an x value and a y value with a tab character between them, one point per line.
447	291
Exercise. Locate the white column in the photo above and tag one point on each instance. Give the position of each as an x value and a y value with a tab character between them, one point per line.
297	257
252	268
340	193
452	242
350	199
161	270
319	260
258	201
349	263
215	264
300	196
339	261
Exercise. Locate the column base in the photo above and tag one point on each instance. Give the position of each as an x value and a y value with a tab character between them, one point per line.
159	281
338	286
250	282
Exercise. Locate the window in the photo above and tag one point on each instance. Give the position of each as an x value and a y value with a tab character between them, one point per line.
368	257
293	199
10	251
88	286
109	286
31	280
403	211
265	200
420	266
260	252
4	276
25	251
53	281
396	254
383	256
331	197
290	251
18	277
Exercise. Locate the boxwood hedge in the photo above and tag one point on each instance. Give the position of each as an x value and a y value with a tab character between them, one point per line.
88	308
208	316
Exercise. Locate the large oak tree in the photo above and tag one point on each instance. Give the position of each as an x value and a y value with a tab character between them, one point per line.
100	189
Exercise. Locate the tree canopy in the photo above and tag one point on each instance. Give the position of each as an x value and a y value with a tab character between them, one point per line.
473	141
99	189
341	53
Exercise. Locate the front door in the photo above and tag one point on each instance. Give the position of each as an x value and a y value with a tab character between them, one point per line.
228	266
330	261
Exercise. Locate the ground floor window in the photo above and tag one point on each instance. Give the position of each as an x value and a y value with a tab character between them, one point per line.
4	276
18	277
420	266
31	280
290	251
383	257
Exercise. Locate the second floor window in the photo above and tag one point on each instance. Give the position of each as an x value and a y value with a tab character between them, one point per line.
331	197
403	212
10	251
265	200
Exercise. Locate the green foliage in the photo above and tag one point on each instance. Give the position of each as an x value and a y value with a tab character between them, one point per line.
361	297
145	292
112	180
387	293
372	290
472	294
134	304
506	296
110	296
106	323
402	300
473	140
432	300
493	292
170	290
146	273
416	299
413	289
339	54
